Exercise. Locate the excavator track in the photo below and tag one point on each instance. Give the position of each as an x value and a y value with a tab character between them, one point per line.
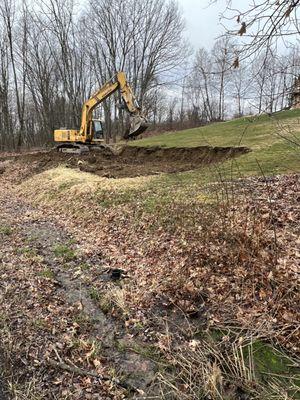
73	148
78	148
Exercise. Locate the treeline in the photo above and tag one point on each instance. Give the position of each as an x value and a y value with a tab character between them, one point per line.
220	87
217	87
55	53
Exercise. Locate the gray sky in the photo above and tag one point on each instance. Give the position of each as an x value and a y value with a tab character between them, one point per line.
202	20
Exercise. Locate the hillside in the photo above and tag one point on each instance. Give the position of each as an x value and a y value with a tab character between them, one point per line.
273	140
164	272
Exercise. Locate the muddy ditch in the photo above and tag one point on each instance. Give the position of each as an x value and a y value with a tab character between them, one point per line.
131	161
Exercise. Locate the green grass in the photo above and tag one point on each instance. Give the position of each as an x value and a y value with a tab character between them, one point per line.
30	252
271	154
5	230
64	251
95	294
269	360
272	365
105	199
47	273
245	131
274	141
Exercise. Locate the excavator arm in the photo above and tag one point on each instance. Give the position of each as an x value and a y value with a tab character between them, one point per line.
138	122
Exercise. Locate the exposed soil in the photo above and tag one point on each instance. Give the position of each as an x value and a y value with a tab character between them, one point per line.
132	161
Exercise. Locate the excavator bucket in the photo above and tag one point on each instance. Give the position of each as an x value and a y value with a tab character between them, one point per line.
138	125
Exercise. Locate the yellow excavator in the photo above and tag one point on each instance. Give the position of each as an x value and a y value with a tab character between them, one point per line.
91	130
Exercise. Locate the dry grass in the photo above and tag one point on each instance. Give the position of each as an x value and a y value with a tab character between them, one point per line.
206	369
55	184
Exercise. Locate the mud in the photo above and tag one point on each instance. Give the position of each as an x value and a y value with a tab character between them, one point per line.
132	161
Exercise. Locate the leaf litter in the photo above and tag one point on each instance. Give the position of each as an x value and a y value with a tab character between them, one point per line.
185	267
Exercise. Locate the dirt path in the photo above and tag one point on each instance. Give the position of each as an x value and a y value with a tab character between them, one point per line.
45	294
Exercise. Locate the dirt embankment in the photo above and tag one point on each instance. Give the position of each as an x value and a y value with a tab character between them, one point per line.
132	161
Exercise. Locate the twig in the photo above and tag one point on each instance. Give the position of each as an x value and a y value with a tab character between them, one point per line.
76	370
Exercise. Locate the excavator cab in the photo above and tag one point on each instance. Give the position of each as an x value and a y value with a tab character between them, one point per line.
97	129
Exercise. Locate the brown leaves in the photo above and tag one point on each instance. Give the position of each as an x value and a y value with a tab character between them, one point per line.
232	272
217	262
289	10
236	63
45	335
242	30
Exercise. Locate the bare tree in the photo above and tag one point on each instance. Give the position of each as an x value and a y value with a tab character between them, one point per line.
221	59
6	124
240	88
209	82
9	19
58	23
201	85
144	38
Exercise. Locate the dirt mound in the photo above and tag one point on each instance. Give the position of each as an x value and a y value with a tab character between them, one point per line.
195	155
132	161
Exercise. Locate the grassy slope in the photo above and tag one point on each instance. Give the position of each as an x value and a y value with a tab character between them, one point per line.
270	139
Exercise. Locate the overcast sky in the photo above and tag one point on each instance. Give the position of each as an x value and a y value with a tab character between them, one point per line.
202	20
